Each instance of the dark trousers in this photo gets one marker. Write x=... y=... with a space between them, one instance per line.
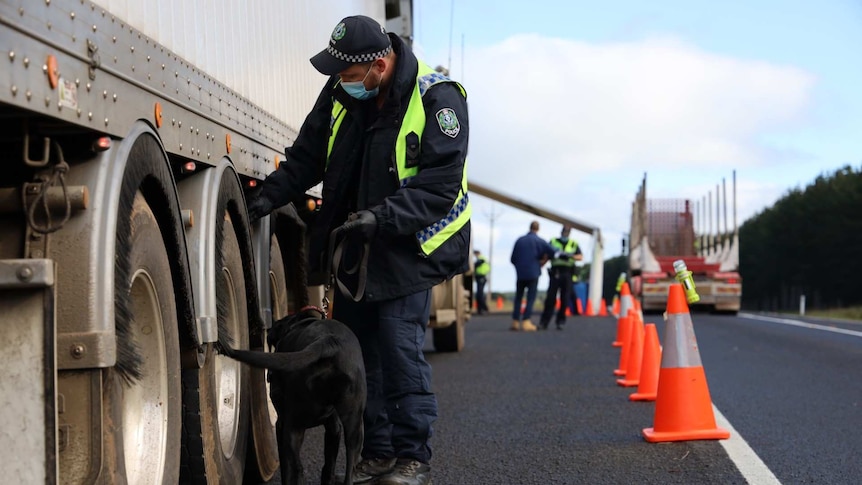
x=561 y=282
x=400 y=408
x=531 y=286
x=481 y=304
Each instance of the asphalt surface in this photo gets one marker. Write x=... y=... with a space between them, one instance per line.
x=544 y=407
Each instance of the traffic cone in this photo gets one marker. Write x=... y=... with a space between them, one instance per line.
x=499 y=302
x=626 y=302
x=636 y=350
x=615 y=306
x=628 y=322
x=650 y=364
x=580 y=306
x=568 y=311
x=603 y=309
x=683 y=408
x=590 y=312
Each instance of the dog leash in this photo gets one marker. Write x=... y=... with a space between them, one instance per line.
x=333 y=263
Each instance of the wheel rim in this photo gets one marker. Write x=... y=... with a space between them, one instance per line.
x=228 y=378
x=145 y=404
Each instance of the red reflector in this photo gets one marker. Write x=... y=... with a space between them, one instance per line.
x=731 y=281
x=651 y=280
x=189 y=167
x=252 y=183
x=102 y=144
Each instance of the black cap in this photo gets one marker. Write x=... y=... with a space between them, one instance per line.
x=355 y=40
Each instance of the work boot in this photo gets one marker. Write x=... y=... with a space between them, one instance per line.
x=408 y=472
x=369 y=469
x=516 y=325
x=528 y=326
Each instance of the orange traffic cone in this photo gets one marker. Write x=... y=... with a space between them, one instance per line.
x=590 y=312
x=580 y=306
x=636 y=351
x=603 y=309
x=683 y=408
x=615 y=306
x=499 y=302
x=626 y=302
x=628 y=323
x=648 y=385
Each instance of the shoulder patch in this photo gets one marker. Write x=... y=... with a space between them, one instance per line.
x=448 y=122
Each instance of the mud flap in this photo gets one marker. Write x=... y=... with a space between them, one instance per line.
x=28 y=389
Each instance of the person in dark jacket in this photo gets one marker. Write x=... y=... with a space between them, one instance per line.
x=388 y=139
x=529 y=254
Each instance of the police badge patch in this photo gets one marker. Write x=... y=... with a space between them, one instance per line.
x=448 y=122
x=339 y=31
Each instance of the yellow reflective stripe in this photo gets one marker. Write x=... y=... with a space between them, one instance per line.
x=414 y=121
x=334 y=123
x=433 y=236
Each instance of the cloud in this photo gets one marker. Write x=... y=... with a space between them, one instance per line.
x=574 y=126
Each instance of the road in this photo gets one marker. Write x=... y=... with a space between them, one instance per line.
x=544 y=408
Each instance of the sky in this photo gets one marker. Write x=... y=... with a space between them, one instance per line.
x=572 y=103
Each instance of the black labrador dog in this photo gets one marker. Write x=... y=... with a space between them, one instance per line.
x=316 y=378
x=316 y=371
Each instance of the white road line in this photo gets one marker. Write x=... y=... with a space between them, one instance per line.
x=746 y=460
x=797 y=323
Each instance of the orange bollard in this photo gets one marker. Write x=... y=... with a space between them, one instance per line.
x=626 y=302
x=650 y=365
x=683 y=408
x=499 y=302
x=636 y=349
x=627 y=322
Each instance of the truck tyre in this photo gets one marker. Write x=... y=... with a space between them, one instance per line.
x=451 y=338
x=263 y=450
x=219 y=421
x=142 y=430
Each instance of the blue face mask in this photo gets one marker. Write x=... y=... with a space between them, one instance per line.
x=357 y=88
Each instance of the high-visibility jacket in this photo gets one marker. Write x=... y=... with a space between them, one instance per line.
x=409 y=140
x=482 y=267
x=569 y=246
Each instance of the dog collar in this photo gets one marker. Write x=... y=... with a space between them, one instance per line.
x=312 y=307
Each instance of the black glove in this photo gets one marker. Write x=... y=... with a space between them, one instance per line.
x=363 y=222
x=258 y=207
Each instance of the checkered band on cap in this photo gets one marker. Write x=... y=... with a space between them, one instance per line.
x=357 y=58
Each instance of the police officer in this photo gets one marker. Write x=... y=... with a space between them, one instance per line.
x=388 y=139
x=561 y=271
x=481 y=268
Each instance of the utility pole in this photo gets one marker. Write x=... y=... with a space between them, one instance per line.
x=492 y=217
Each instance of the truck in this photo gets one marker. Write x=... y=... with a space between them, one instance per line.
x=663 y=230
x=133 y=132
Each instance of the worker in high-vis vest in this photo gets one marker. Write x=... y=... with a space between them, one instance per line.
x=387 y=136
x=481 y=268
x=561 y=271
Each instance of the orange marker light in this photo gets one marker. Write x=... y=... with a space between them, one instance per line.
x=102 y=144
x=252 y=183
x=53 y=72
x=227 y=142
x=189 y=167
x=157 y=114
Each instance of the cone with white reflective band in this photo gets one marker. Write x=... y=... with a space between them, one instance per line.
x=626 y=303
x=683 y=408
